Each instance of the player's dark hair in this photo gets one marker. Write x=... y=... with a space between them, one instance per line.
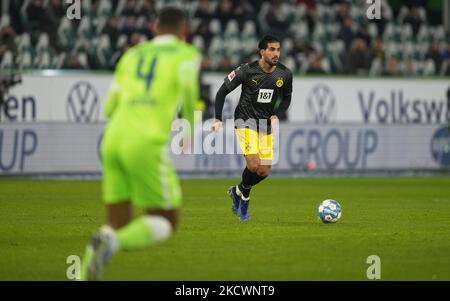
x=171 y=18
x=263 y=44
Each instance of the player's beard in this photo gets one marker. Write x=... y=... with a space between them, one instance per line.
x=271 y=62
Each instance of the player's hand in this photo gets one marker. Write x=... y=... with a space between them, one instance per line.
x=274 y=121
x=217 y=126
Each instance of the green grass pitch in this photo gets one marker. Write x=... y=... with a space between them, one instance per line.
x=404 y=220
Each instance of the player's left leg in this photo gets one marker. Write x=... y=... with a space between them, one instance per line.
x=104 y=242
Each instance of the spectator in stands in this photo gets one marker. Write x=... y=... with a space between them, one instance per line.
x=225 y=64
x=378 y=50
x=343 y=12
x=129 y=27
x=435 y=55
x=38 y=18
x=203 y=11
x=392 y=67
x=413 y=18
x=148 y=10
x=346 y=33
x=359 y=57
x=130 y=9
x=205 y=33
x=92 y=11
x=363 y=34
x=135 y=39
x=7 y=43
x=409 y=68
x=415 y=3
x=312 y=18
x=54 y=11
x=310 y=4
x=149 y=30
x=112 y=30
x=315 y=64
x=243 y=11
x=224 y=13
x=300 y=50
x=446 y=53
x=73 y=61
x=279 y=17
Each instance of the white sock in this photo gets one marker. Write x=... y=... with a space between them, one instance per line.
x=109 y=233
x=238 y=192
x=161 y=227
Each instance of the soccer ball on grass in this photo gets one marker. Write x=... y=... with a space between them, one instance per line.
x=329 y=211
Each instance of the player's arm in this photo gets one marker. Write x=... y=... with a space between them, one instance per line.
x=231 y=82
x=189 y=76
x=112 y=101
x=286 y=100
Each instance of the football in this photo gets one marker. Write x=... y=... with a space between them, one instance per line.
x=329 y=211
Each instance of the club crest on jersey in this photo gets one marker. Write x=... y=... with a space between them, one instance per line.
x=280 y=83
x=231 y=76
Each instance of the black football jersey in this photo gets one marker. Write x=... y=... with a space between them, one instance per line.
x=260 y=92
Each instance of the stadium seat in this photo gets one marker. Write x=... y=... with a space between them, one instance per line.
x=289 y=61
x=7 y=61
x=85 y=29
x=372 y=30
x=406 y=33
x=103 y=52
x=215 y=27
x=66 y=33
x=299 y=12
x=43 y=61
x=249 y=30
x=121 y=41
x=288 y=44
x=26 y=60
x=249 y=45
x=5 y=20
x=429 y=68
x=120 y=6
x=25 y=43
x=58 y=60
x=198 y=42
x=439 y=33
x=43 y=43
x=104 y=8
x=231 y=30
x=376 y=68
x=404 y=10
x=216 y=47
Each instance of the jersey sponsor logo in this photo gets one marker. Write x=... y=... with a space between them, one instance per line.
x=265 y=95
x=280 y=83
x=254 y=81
x=231 y=76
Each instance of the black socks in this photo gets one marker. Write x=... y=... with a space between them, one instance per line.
x=249 y=179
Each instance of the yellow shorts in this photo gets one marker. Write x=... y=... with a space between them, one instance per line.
x=253 y=143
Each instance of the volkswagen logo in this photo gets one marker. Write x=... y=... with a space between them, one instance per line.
x=321 y=106
x=440 y=146
x=83 y=103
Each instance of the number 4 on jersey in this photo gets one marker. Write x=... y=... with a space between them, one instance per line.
x=149 y=76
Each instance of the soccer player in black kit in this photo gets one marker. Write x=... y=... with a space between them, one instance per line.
x=263 y=82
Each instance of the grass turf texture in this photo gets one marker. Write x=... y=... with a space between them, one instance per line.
x=405 y=221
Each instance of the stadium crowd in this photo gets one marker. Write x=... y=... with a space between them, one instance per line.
x=319 y=36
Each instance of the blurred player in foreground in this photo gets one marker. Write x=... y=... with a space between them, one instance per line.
x=152 y=81
x=263 y=81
